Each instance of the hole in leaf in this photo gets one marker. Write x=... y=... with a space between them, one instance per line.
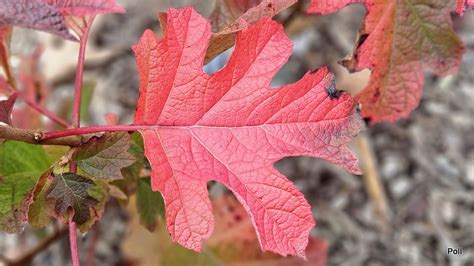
x=218 y=62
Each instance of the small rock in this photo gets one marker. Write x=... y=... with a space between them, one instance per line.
x=391 y=166
x=470 y=173
x=400 y=187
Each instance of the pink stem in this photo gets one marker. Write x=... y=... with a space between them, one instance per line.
x=33 y=104
x=76 y=109
x=76 y=123
x=44 y=111
x=73 y=240
x=93 y=129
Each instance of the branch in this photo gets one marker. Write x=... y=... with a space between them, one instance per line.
x=93 y=129
x=29 y=255
x=372 y=179
x=36 y=137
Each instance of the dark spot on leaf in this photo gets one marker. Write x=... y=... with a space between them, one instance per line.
x=362 y=39
x=377 y=93
x=333 y=93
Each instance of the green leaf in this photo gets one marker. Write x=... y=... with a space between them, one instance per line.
x=104 y=157
x=178 y=255
x=40 y=209
x=17 y=157
x=150 y=205
x=39 y=213
x=14 y=197
x=172 y=253
x=70 y=190
x=133 y=171
x=21 y=165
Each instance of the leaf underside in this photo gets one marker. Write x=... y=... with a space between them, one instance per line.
x=232 y=126
x=399 y=41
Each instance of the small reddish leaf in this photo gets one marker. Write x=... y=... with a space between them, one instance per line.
x=70 y=190
x=86 y=7
x=234 y=241
x=328 y=6
x=462 y=5
x=33 y=87
x=111 y=118
x=232 y=126
x=104 y=157
x=399 y=41
x=6 y=107
x=34 y=14
x=5 y=38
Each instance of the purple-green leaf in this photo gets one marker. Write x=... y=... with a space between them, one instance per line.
x=34 y=14
x=70 y=190
x=104 y=157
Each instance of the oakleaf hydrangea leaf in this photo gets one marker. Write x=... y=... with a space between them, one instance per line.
x=232 y=126
x=400 y=41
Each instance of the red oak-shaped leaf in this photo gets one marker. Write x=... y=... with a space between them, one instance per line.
x=86 y=7
x=232 y=126
x=462 y=5
x=399 y=41
x=6 y=107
